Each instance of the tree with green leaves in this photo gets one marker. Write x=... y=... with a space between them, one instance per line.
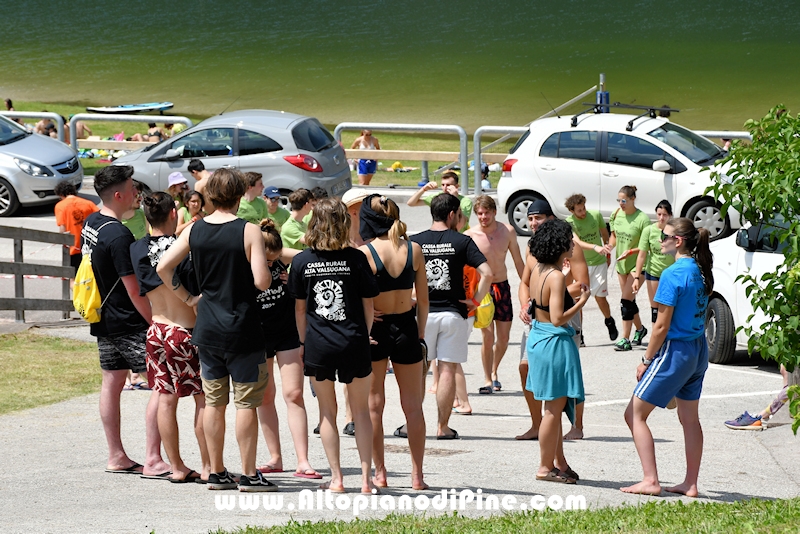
x=764 y=181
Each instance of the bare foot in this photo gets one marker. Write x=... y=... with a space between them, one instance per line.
x=529 y=435
x=379 y=480
x=432 y=390
x=419 y=486
x=643 y=488
x=334 y=488
x=690 y=490
x=574 y=433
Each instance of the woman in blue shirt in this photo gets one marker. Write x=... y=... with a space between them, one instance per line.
x=677 y=357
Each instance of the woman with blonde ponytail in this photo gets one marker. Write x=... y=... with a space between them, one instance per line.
x=399 y=328
x=677 y=357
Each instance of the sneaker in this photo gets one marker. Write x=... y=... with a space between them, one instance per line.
x=256 y=483
x=745 y=422
x=316 y=430
x=613 y=333
x=350 y=429
x=221 y=481
x=638 y=336
x=622 y=345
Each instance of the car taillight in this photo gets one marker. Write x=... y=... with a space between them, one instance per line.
x=507 y=164
x=307 y=163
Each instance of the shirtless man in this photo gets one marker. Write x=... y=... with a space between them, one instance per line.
x=495 y=240
x=173 y=367
x=199 y=173
x=540 y=211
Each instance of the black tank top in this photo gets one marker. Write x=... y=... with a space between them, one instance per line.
x=387 y=282
x=227 y=316
x=568 y=302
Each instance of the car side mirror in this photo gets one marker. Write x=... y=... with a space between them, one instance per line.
x=743 y=240
x=171 y=154
x=661 y=165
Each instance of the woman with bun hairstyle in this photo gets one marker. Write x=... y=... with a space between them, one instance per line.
x=282 y=344
x=651 y=262
x=677 y=356
x=627 y=224
x=554 y=373
x=399 y=330
x=334 y=287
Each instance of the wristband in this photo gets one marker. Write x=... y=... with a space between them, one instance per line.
x=476 y=303
x=302 y=344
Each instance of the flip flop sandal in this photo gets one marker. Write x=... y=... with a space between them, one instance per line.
x=161 y=476
x=309 y=473
x=399 y=432
x=556 y=476
x=269 y=469
x=570 y=473
x=497 y=385
x=454 y=435
x=486 y=390
x=192 y=476
x=132 y=470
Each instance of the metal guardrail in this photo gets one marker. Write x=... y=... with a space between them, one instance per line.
x=55 y=117
x=103 y=117
x=476 y=139
x=723 y=134
x=432 y=128
x=20 y=269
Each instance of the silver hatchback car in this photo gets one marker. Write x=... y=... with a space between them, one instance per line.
x=290 y=151
x=30 y=167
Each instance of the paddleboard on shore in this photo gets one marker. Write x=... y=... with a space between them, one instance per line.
x=132 y=108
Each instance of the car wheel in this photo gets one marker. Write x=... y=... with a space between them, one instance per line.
x=706 y=214
x=8 y=199
x=720 y=332
x=518 y=213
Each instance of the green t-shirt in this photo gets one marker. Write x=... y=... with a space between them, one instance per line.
x=253 y=211
x=588 y=231
x=307 y=218
x=466 y=206
x=280 y=216
x=651 y=242
x=628 y=229
x=291 y=232
x=184 y=216
x=137 y=224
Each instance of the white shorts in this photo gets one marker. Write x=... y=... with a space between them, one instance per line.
x=447 y=336
x=598 y=279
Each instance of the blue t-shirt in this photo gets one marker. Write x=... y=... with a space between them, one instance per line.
x=681 y=286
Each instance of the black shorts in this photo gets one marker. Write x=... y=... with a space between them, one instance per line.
x=398 y=338
x=123 y=352
x=346 y=373
x=219 y=363
x=287 y=339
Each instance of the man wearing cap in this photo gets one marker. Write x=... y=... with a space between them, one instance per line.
x=177 y=187
x=540 y=211
x=253 y=208
x=274 y=209
x=353 y=198
x=449 y=185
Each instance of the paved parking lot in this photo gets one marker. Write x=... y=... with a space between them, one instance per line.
x=52 y=458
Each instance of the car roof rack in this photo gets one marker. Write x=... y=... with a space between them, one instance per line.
x=650 y=111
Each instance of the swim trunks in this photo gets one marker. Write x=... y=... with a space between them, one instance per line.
x=501 y=293
x=367 y=166
x=172 y=363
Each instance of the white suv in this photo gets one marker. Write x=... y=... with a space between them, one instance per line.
x=752 y=250
x=597 y=154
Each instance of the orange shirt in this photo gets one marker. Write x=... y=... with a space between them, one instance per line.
x=471 y=280
x=70 y=213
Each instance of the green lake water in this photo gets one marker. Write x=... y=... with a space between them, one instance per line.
x=466 y=62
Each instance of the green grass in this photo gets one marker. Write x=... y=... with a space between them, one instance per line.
x=389 y=141
x=754 y=516
x=36 y=370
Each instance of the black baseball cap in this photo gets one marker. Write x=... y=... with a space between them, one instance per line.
x=539 y=206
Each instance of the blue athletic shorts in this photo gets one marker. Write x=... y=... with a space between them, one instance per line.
x=367 y=166
x=677 y=371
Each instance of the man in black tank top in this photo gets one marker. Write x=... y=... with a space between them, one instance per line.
x=230 y=260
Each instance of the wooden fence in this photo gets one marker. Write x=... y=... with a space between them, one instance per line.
x=20 y=269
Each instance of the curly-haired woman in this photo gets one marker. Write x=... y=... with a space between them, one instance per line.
x=554 y=374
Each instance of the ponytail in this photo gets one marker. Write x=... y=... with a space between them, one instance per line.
x=696 y=242
x=272 y=238
x=397 y=231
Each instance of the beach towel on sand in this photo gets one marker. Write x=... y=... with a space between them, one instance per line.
x=554 y=365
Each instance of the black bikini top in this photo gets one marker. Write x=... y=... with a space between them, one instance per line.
x=568 y=302
x=387 y=282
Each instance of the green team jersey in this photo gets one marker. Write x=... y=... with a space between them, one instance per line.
x=280 y=216
x=137 y=224
x=307 y=218
x=253 y=211
x=651 y=242
x=628 y=229
x=466 y=206
x=588 y=231
x=291 y=232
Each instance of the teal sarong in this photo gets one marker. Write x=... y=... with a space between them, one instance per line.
x=554 y=365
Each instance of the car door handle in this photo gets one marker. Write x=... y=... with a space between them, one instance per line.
x=548 y=167
x=227 y=166
x=610 y=174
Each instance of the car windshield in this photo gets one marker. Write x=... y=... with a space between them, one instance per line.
x=10 y=131
x=312 y=136
x=698 y=149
